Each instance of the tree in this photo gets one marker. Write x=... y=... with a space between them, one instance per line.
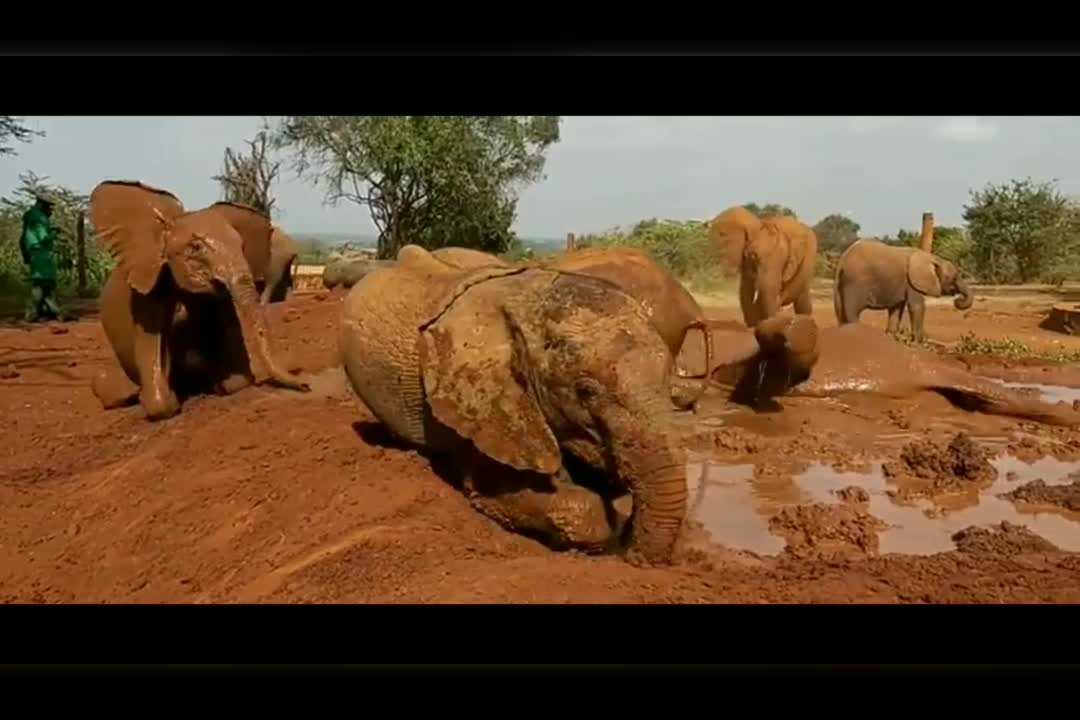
x=1019 y=230
x=68 y=206
x=432 y=181
x=769 y=210
x=836 y=232
x=247 y=179
x=13 y=128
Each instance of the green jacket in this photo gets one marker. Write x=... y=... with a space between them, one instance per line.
x=38 y=239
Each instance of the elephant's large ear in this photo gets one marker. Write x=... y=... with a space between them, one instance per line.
x=467 y=359
x=922 y=273
x=130 y=220
x=255 y=229
x=729 y=232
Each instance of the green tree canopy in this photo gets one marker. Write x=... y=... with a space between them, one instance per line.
x=14 y=128
x=432 y=181
x=1020 y=230
x=248 y=179
x=769 y=210
x=836 y=232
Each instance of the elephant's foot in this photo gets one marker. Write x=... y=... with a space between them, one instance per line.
x=232 y=384
x=159 y=404
x=114 y=389
x=569 y=517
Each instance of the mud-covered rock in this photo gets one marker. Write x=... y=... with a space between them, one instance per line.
x=1005 y=539
x=1037 y=492
x=927 y=468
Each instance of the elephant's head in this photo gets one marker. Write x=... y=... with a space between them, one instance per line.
x=935 y=276
x=219 y=250
x=729 y=233
x=527 y=363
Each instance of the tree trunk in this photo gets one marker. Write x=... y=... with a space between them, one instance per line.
x=80 y=252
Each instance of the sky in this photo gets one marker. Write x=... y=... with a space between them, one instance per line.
x=609 y=171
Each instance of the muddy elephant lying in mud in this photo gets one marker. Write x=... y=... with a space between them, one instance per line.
x=871 y=275
x=856 y=358
x=181 y=310
x=514 y=373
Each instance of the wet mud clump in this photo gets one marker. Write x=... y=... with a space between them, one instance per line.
x=827 y=532
x=1037 y=492
x=853 y=495
x=1005 y=539
x=926 y=468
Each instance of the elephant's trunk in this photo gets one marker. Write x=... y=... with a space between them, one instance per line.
x=965 y=298
x=653 y=468
x=256 y=335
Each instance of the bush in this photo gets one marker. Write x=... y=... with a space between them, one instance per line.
x=680 y=246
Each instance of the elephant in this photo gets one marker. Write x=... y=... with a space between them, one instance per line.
x=549 y=390
x=875 y=276
x=182 y=299
x=775 y=258
x=275 y=287
x=347 y=272
x=857 y=358
x=467 y=258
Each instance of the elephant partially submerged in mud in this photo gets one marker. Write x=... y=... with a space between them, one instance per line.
x=856 y=358
x=181 y=310
x=516 y=373
x=775 y=259
x=871 y=275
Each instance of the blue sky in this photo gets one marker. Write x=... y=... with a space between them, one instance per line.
x=616 y=170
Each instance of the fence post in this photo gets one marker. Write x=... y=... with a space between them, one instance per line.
x=570 y=242
x=80 y=250
x=926 y=240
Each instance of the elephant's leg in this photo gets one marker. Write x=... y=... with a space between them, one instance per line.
x=554 y=509
x=970 y=392
x=916 y=305
x=804 y=305
x=747 y=292
x=114 y=388
x=852 y=302
x=895 y=314
x=153 y=321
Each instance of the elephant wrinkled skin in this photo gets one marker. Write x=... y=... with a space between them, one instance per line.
x=516 y=373
x=775 y=259
x=871 y=275
x=182 y=299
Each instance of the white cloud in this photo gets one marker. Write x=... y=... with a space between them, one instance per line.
x=965 y=129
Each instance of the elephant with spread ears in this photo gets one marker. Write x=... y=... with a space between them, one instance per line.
x=774 y=257
x=871 y=275
x=181 y=307
x=529 y=379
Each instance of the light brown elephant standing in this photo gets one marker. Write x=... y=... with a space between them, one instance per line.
x=514 y=372
x=871 y=275
x=183 y=289
x=775 y=258
x=278 y=281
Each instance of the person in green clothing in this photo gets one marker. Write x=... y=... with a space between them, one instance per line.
x=37 y=244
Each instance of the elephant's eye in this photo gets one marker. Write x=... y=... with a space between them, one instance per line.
x=588 y=388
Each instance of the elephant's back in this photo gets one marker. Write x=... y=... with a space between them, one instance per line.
x=669 y=305
x=378 y=343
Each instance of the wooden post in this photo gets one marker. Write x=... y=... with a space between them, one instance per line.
x=926 y=240
x=570 y=242
x=80 y=252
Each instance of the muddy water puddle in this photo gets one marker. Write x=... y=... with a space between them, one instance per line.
x=1047 y=393
x=734 y=508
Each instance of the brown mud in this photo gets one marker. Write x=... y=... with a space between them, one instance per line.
x=274 y=496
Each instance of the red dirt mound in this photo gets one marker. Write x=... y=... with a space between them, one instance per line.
x=927 y=468
x=1037 y=492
